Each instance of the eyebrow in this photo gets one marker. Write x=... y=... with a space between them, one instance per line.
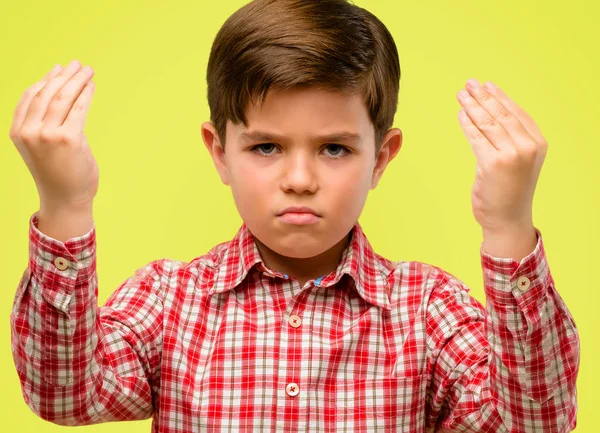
x=344 y=136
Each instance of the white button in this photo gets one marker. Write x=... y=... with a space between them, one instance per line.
x=292 y=389
x=295 y=321
x=523 y=283
x=61 y=263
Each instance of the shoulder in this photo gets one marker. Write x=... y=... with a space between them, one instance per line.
x=174 y=274
x=417 y=279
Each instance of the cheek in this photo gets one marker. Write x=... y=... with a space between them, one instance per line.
x=352 y=179
x=249 y=178
x=248 y=185
x=349 y=190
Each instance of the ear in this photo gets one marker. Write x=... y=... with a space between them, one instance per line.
x=392 y=142
x=213 y=144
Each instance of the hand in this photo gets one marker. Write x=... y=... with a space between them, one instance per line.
x=510 y=151
x=47 y=130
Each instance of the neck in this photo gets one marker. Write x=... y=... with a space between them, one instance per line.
x=304 y=269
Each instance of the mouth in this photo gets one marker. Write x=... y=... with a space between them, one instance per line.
x=299 y=218
x=299 y=209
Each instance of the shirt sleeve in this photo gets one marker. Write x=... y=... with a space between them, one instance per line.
x=79 y=364
x=511 y=366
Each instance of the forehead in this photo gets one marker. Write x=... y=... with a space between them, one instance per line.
x=308 y=113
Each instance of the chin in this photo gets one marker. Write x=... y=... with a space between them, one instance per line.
x=298 y=246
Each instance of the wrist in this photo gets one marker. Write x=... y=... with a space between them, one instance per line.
x=48 y=207
x=64 y=223
x=508 y=232
x=514 y=242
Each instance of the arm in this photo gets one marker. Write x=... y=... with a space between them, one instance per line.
x=508 y=367
x=79 y=364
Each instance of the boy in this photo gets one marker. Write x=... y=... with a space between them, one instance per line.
x=295 y=324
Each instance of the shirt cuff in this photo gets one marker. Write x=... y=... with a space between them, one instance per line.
x=75 y=249
x=59 y=265
x=507 y=281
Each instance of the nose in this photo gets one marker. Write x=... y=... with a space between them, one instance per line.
x=300 y=174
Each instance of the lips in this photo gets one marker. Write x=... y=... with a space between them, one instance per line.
x=299 y=210
x=299 y=218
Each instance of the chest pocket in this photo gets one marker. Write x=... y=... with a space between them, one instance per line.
x=383 y=404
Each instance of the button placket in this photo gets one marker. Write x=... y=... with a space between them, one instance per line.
x=292 y=388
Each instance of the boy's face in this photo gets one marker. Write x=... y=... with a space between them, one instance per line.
x=299 y=169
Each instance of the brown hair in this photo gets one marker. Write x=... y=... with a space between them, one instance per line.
x=280 y=44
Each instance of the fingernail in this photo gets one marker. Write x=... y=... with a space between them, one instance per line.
x=489 y=85
x=56 y=68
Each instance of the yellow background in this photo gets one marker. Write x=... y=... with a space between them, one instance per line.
x=160 y=195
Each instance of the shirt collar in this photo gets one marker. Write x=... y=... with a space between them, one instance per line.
x=359 y=261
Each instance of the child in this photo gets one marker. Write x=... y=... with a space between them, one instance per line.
x=295 y=324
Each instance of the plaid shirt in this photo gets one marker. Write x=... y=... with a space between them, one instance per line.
x=224 y=343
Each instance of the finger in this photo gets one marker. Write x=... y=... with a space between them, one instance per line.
x=480 y=145
x=77 y=116
x=39 y=104
x=28 y=95
x=63 y=101
x=489 y=127
x=516 y=110
x=513 y=126
x=52 y=72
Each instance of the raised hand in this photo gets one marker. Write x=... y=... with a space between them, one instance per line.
x=47 y=130
x=510 y=152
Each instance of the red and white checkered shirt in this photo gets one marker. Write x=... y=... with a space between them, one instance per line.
x=224 y=343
